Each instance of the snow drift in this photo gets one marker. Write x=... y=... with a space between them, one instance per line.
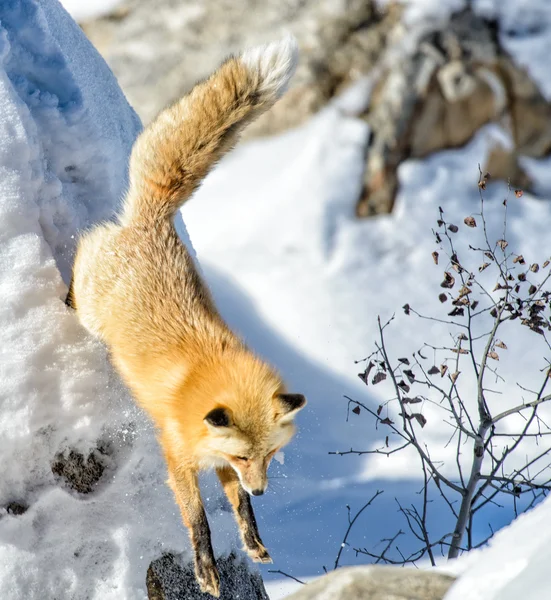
x=65 y=135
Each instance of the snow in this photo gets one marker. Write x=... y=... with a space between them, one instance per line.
x=515 y=564
x=85 y=10
x=292 y=269
x=317 y=278
x=65 y=134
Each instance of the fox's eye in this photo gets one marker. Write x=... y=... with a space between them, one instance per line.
x=243 y=458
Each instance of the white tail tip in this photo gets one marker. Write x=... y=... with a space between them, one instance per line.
x=275 y=63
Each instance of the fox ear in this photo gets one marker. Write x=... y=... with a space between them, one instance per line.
x=289 y=405
x=218 y=420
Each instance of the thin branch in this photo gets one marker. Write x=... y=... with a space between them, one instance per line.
x=287 y=575
x=351 y=524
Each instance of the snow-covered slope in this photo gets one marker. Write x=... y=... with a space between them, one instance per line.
x=65 y=134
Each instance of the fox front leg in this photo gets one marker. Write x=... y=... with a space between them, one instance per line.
x=244 y=515
x=185 y=485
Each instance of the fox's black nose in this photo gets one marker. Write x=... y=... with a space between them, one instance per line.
x=258 y=492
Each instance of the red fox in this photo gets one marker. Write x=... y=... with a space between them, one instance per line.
x=136 y=287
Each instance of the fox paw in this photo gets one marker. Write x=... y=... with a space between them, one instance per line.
x=208 y=578
x=259 y=554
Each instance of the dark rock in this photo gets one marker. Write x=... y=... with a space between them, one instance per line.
x=80 y=474
x=16 y=509
x=167 y=579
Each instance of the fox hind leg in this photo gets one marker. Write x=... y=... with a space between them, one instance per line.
x=244 y=515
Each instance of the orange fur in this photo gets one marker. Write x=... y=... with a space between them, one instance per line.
x=136 y=287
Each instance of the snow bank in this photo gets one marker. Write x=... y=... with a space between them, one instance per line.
x=65 y=135
x=515 y=565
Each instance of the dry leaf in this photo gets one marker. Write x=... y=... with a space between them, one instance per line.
x=532 y=289
x=415 y=400
x=410 y=375
x=380 y=376
x=502 y=244
x=534 y=268
x=518 y=193
x=435 y=257
x=454 y=376
x=493 y=354
x=519 y=259
x=459 y=351
x=474 y=304
x=469 y=221
x=379 y=409
x=356 y=410
x=449 y=281
x=387 y=421
x=404 y=361
x=433 y=370
x=420 y=419
x=406 y=308
x=404 y=386
x=443 y=297
x=453 y=228
x=443 y=369
x=483 y=266
x=501 y=345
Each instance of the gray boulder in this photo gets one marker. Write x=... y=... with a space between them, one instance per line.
x=376 y=583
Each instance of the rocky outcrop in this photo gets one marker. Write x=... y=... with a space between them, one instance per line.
x=376 y=583
x=433 y=88
x=455 y=78
x=159 y=48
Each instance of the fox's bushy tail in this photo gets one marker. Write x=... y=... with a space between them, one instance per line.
x=176 y=151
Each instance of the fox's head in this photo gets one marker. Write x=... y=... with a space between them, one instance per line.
x=249 y=444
